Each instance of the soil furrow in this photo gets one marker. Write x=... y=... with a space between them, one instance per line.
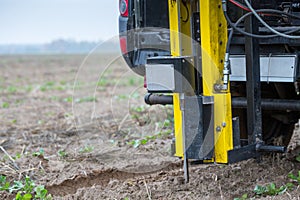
x=100 y=178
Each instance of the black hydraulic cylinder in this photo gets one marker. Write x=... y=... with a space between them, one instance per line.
x=156 y=99
x=269 y=104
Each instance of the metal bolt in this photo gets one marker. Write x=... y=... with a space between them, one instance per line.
x=218 y=129
x=224 y=124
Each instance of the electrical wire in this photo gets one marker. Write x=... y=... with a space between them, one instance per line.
x=240 y=5
x=267 y=26
x=234 y=26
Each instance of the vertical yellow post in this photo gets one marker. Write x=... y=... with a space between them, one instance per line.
x=180 y=44
x=213 y=40
x=176 y=51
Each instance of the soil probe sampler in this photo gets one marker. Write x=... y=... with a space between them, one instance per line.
x=230 y=68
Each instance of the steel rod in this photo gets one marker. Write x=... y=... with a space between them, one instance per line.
x=253 y=85
x=269 y=104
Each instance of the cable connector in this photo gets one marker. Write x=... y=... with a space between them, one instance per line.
x=226 y=70
x=226 y=73
x=224 y=5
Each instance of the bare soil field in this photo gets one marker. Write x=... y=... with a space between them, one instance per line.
x=78 y=125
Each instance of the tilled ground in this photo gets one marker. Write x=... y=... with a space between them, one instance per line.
x=82 y=130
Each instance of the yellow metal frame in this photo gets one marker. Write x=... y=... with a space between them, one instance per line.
x=213 y=39
x=180 y=44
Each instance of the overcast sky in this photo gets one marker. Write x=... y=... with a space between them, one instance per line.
x=40 y=21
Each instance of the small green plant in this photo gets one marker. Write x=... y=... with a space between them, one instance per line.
x=138 y=109
x=122 y=97
x=17 y=156
x=47 y=86
x=62 y=153
x=5 y=105
x=25 y=190
x=41 y=192
x=244 y=197
x=164 y=133
x=62 y=82
x=86 y=99
x=269 y=189
x=103 y=82
x=26 y=196
x=137 y=143
x=4 y=185
x=86 y=149
x=11 y=89
x=295 y=178
x=51 y=85
x=68 y=99
x=41 y=152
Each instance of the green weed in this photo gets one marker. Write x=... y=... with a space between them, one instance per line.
x=103 y=82
x=17 y=156
x=11 y=89
x=86 y=99
x=86 y=149
x=80 y=100
x=138 y=109
x=295 y=178
x=138 y=142
x=41 y=152
x=122 y=97
x=244 y=197
x=47 y=86
x=5 y=105
x=25 y=189
x=269 y=189
x=62 y=153
x=51 y=85
x=68 y=99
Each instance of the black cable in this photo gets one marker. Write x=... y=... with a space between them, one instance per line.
x=234 y=26
x=267 y=25
x=279 y=12
x=250 y=13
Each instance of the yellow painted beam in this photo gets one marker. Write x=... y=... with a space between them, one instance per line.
x=176 y=51
x=180 y=44
x=213 y=39
x=174 y=21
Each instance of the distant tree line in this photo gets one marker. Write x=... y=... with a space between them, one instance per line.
x=61 y=46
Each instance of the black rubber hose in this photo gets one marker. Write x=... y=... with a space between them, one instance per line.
x=269 y=104
x=157 y=99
